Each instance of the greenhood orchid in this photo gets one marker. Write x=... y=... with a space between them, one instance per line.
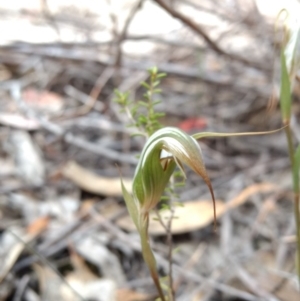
x=165 y=149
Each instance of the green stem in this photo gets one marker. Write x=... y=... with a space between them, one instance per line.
x=168 y=229
x=170 y=239
x=297 y=219
x=148 y=255
x=150 y=105
x=296 y=189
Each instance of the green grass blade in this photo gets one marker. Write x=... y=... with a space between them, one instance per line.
x=216 y=135
x=296 y=168
x=149 y=256
x=285 y=91
x=292 y=48
x=131 y=205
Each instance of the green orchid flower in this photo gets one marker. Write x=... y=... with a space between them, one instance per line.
x=165 y=149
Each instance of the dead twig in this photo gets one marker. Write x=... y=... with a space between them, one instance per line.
x=23 y=283
x=162 y=262
x=90 y=101
x=83 y=98
x=122 y=36
x=189 y=264
x=221 y=80
x=197 y=29
x=170 y=239
x=46 y=262
x=100 y=83
x=251 y=284
x=68 y=137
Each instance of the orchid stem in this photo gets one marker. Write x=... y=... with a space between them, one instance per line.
x=149 y=257
x=296 y=190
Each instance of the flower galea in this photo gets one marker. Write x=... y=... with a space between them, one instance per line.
x=165 y=149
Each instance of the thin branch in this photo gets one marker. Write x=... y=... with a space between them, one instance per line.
x=214 y=11
x=46 y=262
x=49 y=17
x=162 y=262
x=68 y=137
x=168 y=228
x=170 y=68
x=100 y=83
x=170 y=240
x=90 y=101
x=123 y=34
x=197 y=29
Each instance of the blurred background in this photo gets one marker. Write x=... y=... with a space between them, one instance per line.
x=64 y=230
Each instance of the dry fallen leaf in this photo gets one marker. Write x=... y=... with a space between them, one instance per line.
x=191 y=216
x=247 y=192
x=82 y=281
x=92 y=249
x=45 y=101
x=86 y=206
x=91 y=182
x=196 y=214
x=18 y=121
x=129 y=295
x=38 y=226
x=20 y=239
x=27 y=156
x=80 y=267
x=198 y=296
x=98 y=289
x=5 y=73
x=12 y=251
x=49 y=283
x=261 y=271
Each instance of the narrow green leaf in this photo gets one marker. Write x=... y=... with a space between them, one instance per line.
x=296 y=168
x=156 y=102
x=178 y=204
x=161 y=75
x=143 y=104
x=158 y=115
x=138 y=134
x=292 y=47
x=181 y=184
x=213 y=134
x=285 y=91
x=145 y=85
x=148 y=255
x=164 y=207
x=134 y=110
x=131 y=205
x=143 y=119
x=156 y=83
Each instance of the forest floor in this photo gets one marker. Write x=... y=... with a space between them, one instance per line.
x=65 y=233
